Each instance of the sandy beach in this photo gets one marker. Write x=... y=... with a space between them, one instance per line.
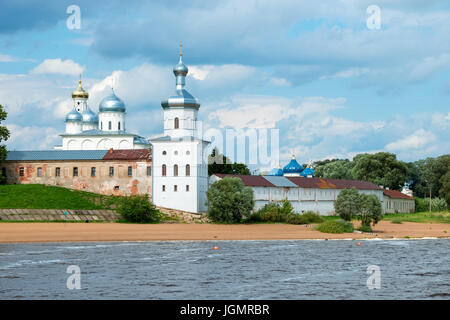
x=75 y=232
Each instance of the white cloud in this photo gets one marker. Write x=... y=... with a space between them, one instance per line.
x=32 y=137
x=58 y=66
x=418 y=139
x=7 y=58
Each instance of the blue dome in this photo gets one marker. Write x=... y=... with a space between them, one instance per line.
x=293 y=167
x=111 y=104
x=74 y=116
x=276 y=172
x=308 y=172
x=89 y=116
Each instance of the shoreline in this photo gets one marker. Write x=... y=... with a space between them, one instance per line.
x=43 y=232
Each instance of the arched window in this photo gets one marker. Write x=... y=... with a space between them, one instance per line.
x=175 y=170
x=188 y=170
x=109 y=125
x=176 y=123
x=164 y=170
x=118 y=126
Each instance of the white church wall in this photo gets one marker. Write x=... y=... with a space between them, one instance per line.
x=187 y=122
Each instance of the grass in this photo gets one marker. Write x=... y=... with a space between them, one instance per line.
x=36 y=196
x=421 y=217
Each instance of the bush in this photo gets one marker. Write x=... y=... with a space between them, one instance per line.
x=229 y=200
x=2 y=179
x=335 y=226
x=347 y=203
x=396 y=220
x=365 y=228
x=138 y=209
x=423 y=205
x=311 y=217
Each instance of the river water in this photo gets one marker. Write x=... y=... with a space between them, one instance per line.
x=303 y=269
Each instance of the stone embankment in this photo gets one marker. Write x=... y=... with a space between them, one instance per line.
x=58 y=215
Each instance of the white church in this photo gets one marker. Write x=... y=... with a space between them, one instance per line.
x=86 y=130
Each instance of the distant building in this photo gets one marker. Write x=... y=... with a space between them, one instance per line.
x=315 y=194
x=293 y=169
x=397 y=202
x=116 y=172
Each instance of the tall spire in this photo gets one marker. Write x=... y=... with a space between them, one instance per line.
x=181 y=47
x=79 y=92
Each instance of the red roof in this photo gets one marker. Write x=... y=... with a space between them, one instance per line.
x=396 y=194
x=127 y=154
x=325 y=183
x=250 y=181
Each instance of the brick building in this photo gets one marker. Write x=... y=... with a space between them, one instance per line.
x=118 y=172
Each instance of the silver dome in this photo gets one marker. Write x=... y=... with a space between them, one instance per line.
x=180 y=69
x=111 y=104
x=89 y=116
x=74 y=116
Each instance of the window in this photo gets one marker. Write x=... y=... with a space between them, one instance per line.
x=116 y=188
x=175 y=170
x=109 y=125
x=163 y=188
x=118 y=126
x=21 y=171
x=101 y=125
x=164 y=170
x=149 y=171
x=175 y=153
x=111 y=171
x=187 y=188
x=4 y=172
x=58 y=172
x=130 y=171
x=188 y=170
x=175 y=188
x=188 y=152
x=93 y=169
x=164 y=153
x=75 y=171
x=176 y=123
x=39 y=172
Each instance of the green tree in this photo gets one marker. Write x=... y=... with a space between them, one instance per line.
x=4 y=135
x=445 y=189
x=229 y=200
x=339 y=169
x=347 y=203
x=370 y=209
x=139 y=209
x=218 y=163
x=381 y=168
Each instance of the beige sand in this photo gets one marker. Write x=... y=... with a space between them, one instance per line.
x=59 y=232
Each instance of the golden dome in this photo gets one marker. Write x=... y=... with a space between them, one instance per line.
x=79 y=92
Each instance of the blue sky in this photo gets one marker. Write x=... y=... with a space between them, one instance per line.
x=313 y=70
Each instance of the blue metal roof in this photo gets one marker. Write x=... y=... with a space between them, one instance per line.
x=56 y=155
x=280 y=181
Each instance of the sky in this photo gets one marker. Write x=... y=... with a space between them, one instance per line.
x=318 y=72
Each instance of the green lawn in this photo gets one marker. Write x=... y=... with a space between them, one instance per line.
x=440 y=217
x=36 y=196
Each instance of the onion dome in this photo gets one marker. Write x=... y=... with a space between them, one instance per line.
x=276 y=172
x=293 y=167
x=111 y=104
x=182 y=98
x=89 y=116
x=79 y=92
x=308 y=172
x=74 y=116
